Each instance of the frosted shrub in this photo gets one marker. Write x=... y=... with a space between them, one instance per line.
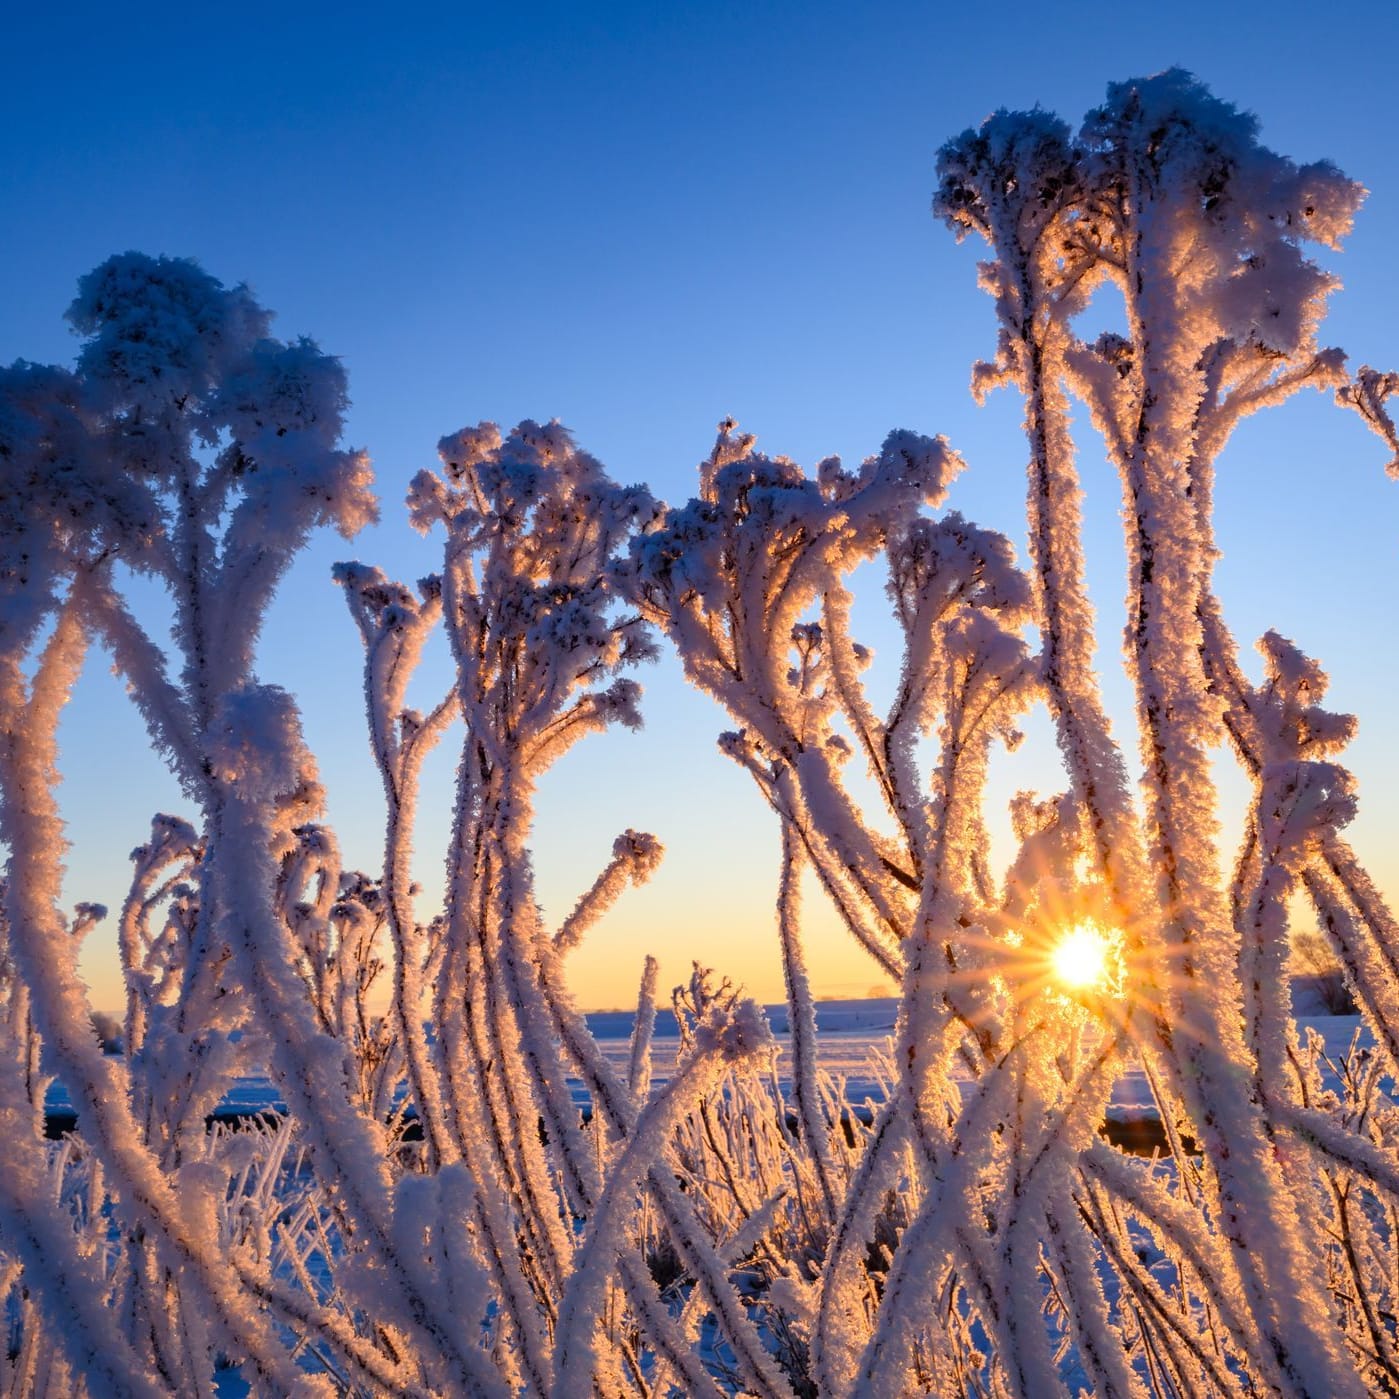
x=1023 y=1213
x=534 y=532
x=191 y=447
x=433 y=1215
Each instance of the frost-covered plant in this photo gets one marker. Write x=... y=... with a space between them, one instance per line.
x=732 y=577
x=191 y=447
x=540 y=639
x=1168 y=197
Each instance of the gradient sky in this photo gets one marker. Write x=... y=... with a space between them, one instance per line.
x=640 y=218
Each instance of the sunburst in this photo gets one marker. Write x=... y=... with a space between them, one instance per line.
x=1086 y=957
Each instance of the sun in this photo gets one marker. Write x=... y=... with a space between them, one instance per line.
x=1083 y=957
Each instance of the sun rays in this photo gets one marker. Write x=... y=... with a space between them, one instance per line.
x=1083 y=958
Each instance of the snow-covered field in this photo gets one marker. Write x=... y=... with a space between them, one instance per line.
x=854 y=1044
x=853 y=1037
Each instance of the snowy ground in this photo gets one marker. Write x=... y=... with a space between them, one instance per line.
x=853 y=1042
x=854 y=1038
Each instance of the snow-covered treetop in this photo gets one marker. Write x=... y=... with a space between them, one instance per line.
x=1212 y=217
x=764 y=532
x=179 y=365
x=1167 y=190
x=61 y=500
x=535 y=530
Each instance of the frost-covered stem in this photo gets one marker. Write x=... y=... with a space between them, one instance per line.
x=1263 y=977
x=45 y=956
x=924 y=1028
x=1013 y=1317
x=136 y=907
x=1023 y=1345
x=174 y=718
x=890 y=763
x=934 y=1005
x=296 y=1311
x=471 y=1071
x=643 y=1026
x=407 y=1001
x=864 y=922
x=509 y=929
x=785 y=796
x=759 y=1373
x=163 y=707
x=1365 y=957
x=1361 y=892
x=19 y=1040
x=806 y=793
x=476 y=1032
x=634 y=856
x=842 y=841
x=845 y=1289
x=1015 y=183
x=934 y=1241
x=172 y=842
x=1155 y=1309
x=310 y=1067
x=399 y=767
x=512 y=957
x=1094 y=760
x=619 y=1111
x=69 y=1288
x=801 y=1020
x=1165 y=646
x=1163 y=640
x=1213 y=1263
x=1341 y=1145
x=1219 y=656
x=193 y=549
x=586 y=1293
x=524 y=1266
x=534 y=980
x=1348 y=1223
x=1099 y=1342
x=1177 y=727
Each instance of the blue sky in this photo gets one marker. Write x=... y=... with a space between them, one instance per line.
x=639 y=219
